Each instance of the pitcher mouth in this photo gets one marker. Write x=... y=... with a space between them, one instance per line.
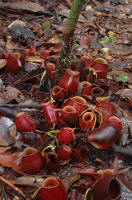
x=101 y=61
x=69 y=109
x=50 y=182
x=114 y=189
x=56 y=90
x=85 y=84
x=88 y=117
x=15 y=55
x=50 y=65
x=102 y=99
x=72 y=73
x=79 y=100
x=29 y=151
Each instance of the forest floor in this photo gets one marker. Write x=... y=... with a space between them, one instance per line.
x=104 y=30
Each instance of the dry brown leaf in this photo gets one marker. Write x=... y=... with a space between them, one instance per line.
x=118 y=49
x=126 y=180
x=8 y=159
x=65 y=13
x=117 y=110
x=10 y=45
x=54 y=39
x=10 y=124
x=10 y=94
x=58 y=27
x=30 y=66
x=115 y=34
x=13 y=93
x=115 y=75
x=3 y=149
x=108 y=57
x=94 y=53
x=5 y=138
x=35 y=59
x=125 y=93
x=84 y=40
x=2 y=63
x=24 y=5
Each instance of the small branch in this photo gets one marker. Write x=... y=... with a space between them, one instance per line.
x=13 y=187
x=34 y=194
x=21 y=106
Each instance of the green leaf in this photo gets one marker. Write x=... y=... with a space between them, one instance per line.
x=52 y=99
x=47 y=26
x=105 y=39
x=111 y=36
x=123 y=77
x=52 y=147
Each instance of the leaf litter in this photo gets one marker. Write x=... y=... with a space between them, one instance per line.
x=105 y=32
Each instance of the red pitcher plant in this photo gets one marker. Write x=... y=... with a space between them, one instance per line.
x=53 y=189
x=69 y=81
x=79 y=103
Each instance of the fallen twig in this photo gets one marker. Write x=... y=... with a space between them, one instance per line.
x=13 y=187
x=21 y=106
x=34 y=194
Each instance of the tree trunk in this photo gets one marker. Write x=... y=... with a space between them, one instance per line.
x=64 y=61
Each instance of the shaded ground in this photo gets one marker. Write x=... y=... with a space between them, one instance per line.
x=104 y=30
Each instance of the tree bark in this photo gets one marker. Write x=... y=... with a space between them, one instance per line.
x=64 y=61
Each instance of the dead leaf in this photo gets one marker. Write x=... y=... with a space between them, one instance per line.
x=108 y=57
x=65 y=13
x=19 y=31
x=10 y=124
x=24 y=5
x=1 y=86
x=118 y=49
x=56 y=48
x=126 y=182
x=84 y=40
x=54 y=39
x=2 y=63
x=115 y=75
x=125 y=93
x=58 y=27
x=10 y=45
x=5 y=138
x=129 y=77
x=35 y=59
x=30 y=66
x=124 y=131
x=8 y=159
x=114 y=34
x=69 y=180
x=12 y=93
x=94 y=53
x=3 y=149
x=120 y=112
